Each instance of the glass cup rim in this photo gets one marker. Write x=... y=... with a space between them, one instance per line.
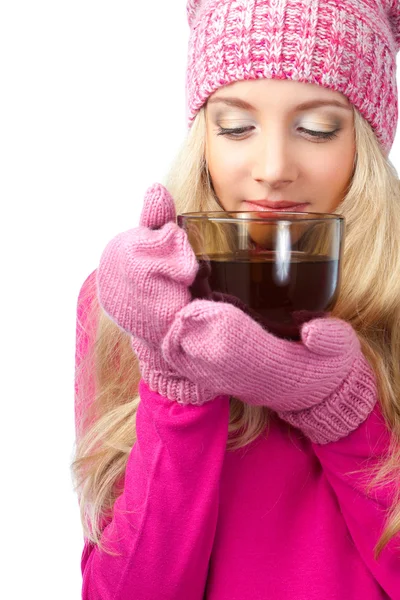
x=252 y=216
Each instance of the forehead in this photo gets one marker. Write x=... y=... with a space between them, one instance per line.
x=279 y=94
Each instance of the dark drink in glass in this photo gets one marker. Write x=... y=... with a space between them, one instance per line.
x=253 y=282
x=282 y=269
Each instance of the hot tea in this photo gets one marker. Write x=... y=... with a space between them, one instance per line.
x=279 y=292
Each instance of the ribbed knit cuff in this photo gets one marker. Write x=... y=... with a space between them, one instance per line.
x=161 y=378
x=174 y=387
x=343 y=411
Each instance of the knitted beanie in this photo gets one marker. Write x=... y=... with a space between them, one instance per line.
x=349 y=46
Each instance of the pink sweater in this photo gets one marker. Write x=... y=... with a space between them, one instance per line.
x=281 y=518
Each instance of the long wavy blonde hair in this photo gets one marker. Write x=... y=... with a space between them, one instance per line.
x=107 y=376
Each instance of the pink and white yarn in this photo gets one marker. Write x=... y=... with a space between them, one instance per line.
x=347 y=45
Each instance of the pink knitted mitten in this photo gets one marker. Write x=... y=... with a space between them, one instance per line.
x=322 y=385
x=143 y=280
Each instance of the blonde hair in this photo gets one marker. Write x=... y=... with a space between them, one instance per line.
x=108 y=377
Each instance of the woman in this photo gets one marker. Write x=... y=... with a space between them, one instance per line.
x=216 y=460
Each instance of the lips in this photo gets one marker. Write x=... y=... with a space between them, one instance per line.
x=281 y=206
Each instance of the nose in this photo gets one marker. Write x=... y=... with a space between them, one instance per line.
x=273 y=160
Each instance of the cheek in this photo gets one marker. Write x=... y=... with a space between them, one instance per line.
x=331 y=172
x=226 y=163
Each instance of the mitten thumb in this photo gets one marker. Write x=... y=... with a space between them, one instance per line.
x=158 y=207
x=329 y=337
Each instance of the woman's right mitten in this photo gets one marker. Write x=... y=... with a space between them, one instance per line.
x=143 y=280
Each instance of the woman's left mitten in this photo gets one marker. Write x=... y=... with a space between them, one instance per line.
x=323 y=384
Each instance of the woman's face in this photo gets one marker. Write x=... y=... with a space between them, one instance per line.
x=271 y=141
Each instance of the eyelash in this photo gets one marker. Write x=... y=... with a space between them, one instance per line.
x=237 y=132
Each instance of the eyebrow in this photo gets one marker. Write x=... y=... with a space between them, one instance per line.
x=238 y=103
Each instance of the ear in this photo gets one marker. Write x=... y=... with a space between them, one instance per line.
x=192 y=9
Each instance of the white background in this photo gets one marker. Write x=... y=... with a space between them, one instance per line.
x=92 y=112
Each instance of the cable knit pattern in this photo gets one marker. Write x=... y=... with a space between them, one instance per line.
x=392 y=8
x=349 y=46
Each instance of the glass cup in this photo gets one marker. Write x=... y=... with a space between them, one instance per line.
x=281 y=268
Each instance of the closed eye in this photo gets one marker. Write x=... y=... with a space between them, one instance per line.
x=240 y=132
x=326 y=135
x=235 y=131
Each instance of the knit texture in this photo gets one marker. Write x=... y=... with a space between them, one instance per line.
x=349 y=46
x=342 y=411
x=143 y=280
x=323 y=385
x=191 y=351
x=281 y=518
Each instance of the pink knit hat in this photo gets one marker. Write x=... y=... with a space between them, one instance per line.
x=349 y=46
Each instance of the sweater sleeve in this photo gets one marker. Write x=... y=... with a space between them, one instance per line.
x=347 y=464
x=163 y=524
